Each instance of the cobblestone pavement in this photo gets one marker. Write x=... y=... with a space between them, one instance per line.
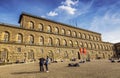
x=93 y=69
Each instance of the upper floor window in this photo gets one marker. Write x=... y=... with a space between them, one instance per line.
x=57 y=42
x=74 y=34
x=93 y=46
x=87 y=36
x=41 y=40
x=69 y=33
x=83 y=36
x=71 y=43
x=31 y=25
x=79 y=35
x=81 y=44
x=64 y=42
x=91 y=37
x=49 y=29
x=19 y=38
x=89 y=45
x=50 y=41
x=56 y=30
x=31 y=39
x=76 y=44
x=40 y=27
x=85 y=45
x=6 y=36
x=63 y=31
x=95 y=38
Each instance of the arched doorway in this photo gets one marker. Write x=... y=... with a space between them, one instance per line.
x=51 y=55
x=4 y=55
x=79 y=55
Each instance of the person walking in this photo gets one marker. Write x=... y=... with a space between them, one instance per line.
x=41 y=63
x=46 y=63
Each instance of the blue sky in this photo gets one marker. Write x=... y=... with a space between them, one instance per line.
x=101 y=16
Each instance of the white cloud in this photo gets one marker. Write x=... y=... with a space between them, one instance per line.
x=52 y=13
x=108 y=25
x=70 y=2
x=68 y=9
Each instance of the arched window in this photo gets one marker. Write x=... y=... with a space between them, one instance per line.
x=89 y=45
x=93 y=46
x=31 y=25
x=63 y=31
x=79 y=35
x=91 y=37
x=81 y=44
x=19 y=38
x=87 y=36
x=49 y=29
x=97 y=46
x=74 y=34
x=57 y=42
x=31 y=39
x=40 y=27
x=41 y=40
x=31 y=55
x=83 y=36
x=69 y=33
x=100 y=47
x=103 y=47
x=56 y=30
x=76 y=44
x=85 y=45
x=50 y=41
x=71 y=43
x=95 y=38
x=6 y=36
x=64 y=42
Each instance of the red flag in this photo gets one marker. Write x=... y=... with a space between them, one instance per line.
x=84 y=50
x=81 y=50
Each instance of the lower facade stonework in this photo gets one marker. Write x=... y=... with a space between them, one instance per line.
x=29 y=53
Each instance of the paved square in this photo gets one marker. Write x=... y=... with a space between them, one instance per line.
x=93 y=69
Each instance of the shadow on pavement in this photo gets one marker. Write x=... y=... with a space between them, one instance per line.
x=31 y=72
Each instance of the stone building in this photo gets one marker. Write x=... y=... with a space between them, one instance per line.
x=39 y=37
x=117 y=49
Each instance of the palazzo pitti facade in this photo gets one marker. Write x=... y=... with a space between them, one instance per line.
x=38 y=37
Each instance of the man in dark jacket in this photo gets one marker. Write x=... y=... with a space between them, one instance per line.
x=41 y=63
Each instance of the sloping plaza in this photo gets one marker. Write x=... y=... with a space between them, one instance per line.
x=93 y=69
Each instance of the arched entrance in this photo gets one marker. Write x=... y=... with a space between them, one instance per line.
x=51 y=55
x=79 y=55
x=4 y=55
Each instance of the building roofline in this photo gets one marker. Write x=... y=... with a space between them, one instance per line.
x=34 y=16
x=10 y=25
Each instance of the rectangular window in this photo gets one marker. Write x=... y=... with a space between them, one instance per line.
x=19 y=49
